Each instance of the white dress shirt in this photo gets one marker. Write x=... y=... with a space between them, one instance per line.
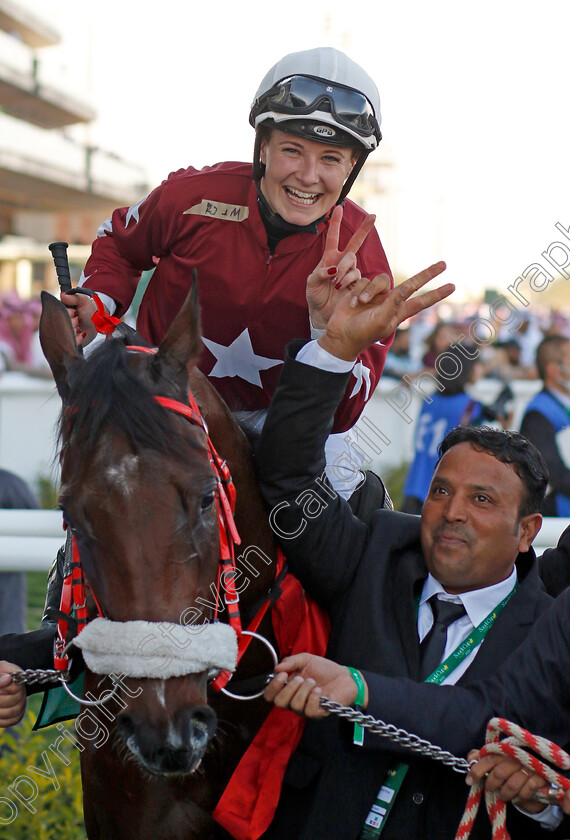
x=478 y=604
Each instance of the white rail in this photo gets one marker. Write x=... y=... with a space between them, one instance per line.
x=30 y=539
x=31 y=523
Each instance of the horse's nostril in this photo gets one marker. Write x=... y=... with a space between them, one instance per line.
x=205 y=717
x=173 y=747
x=125 y=726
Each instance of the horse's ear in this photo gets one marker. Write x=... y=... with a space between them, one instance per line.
x=57 y=339
x=182 y=343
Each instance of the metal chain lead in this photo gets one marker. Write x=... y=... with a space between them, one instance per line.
x=402 y=737
x=399 y=736
x=31 y=676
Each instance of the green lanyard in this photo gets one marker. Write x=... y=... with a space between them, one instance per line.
x=386 y=796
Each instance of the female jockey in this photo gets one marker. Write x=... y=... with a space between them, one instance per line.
x=255 y=236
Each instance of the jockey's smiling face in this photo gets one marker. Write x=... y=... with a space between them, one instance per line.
x=471 y=529
x=303 y=178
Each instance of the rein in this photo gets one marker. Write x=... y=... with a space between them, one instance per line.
x=73 y=597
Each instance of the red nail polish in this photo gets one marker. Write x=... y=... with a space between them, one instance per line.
x=332 y=270
x=338 y=285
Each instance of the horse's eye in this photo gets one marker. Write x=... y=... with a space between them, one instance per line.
x=207 y=501
x=66 y=518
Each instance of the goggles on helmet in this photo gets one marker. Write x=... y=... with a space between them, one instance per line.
x=303 y=94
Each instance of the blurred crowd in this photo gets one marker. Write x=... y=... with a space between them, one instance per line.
x=453 y=352
x=511 y=354
x=20 y=348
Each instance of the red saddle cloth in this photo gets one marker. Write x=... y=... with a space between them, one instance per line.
x=250 y=799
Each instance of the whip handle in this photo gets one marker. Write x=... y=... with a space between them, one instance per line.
x=59 y=254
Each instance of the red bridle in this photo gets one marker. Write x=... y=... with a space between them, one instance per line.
x=73 y=596
x=229 y=537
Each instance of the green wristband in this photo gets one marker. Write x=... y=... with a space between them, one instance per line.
x=358 y=737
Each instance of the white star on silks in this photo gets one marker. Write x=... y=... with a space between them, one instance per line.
x=238 y=359
x=133 y=212
x=362 y=375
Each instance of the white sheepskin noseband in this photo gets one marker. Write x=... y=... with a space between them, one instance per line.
x=156 y=650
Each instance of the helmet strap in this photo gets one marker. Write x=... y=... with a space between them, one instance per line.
x=258 y=166
x=353 y=175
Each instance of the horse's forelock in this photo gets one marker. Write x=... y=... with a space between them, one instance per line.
x=104 y=393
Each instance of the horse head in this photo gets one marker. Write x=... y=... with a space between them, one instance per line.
x=140 y=496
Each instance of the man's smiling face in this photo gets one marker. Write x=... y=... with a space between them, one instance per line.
x=471 y=532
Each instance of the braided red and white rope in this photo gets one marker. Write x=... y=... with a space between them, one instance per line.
x=514 y=746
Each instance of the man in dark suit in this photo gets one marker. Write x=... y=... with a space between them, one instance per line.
x=471 y=546
x=546 y=421
x=532 y=689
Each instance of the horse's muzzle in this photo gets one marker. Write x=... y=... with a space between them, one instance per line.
x=174 y=748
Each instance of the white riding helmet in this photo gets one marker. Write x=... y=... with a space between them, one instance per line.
x=319 y=94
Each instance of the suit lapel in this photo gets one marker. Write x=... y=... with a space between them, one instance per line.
x=406 y=589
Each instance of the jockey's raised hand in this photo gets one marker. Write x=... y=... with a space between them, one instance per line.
x=81 y=309
x=354 y=325
x=337 y=270
x=12 y=696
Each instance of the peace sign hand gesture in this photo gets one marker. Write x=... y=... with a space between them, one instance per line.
x=337 y=270
x=353 y=325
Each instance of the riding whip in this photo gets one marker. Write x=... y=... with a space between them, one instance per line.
x=59 y=254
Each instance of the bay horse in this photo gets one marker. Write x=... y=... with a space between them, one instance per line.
x=139 y=494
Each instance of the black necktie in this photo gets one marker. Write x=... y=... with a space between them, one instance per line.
x=433 y=646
